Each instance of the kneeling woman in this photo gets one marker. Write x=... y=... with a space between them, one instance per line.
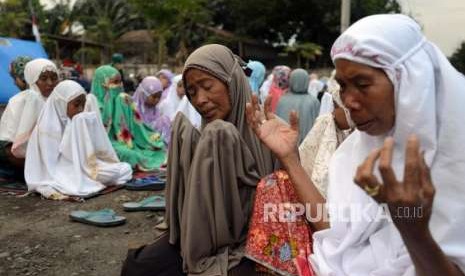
x=21 y=113
x=135 y=142
x=212 y=174
x=147 y=97
x=69 y=152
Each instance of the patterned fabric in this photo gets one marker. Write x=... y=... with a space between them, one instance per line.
x=17 y=67
x=135 y=142
x=317 y=149
x=280 y=243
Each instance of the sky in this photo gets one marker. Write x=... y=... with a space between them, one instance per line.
x=443 y=21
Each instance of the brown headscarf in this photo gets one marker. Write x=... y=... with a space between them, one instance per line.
x=218 y=61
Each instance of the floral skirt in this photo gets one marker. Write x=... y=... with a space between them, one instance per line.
x=279 y=237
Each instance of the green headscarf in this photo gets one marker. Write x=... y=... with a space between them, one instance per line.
x=134 y=142
x=117 y=58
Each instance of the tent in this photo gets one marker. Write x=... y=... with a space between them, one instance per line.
x=10 y=48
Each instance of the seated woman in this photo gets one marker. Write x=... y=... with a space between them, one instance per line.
x=257 y=76
x=279 y=84
x=292 y=237
x=212 y=174
x=69 y=153
x=134 y=142
x=177 y=101
x=175 y=93
x=395 y=83
x=147 y=97
x=185 y=107
x=315 y=86
x=166 y=77
x=23 y=109
x=299 y=100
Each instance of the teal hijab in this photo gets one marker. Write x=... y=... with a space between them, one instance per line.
x=297 y=98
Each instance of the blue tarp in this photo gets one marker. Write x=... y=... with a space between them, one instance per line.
x=10 y=48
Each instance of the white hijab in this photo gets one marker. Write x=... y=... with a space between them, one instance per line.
x=314 y=87
x=22 y=111
x=169 y=105
x=65 y=155
x=265 y=88
x=186 y=108
x=36 y=67
x=429 y=101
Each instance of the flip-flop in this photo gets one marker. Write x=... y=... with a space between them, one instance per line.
x=102 y=218
x=150 y=183
x=162 y=226
x=152 y=203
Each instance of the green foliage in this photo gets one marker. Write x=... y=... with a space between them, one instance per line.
x=179 y=26
x=308 y=51
x=13 y=18
x=60 y=18
x=458 y=58
x=175 y=23
x=104 y=21
x=277 y=21
x=90 y=55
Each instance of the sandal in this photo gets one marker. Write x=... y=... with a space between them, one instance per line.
x=152 y=203
x=102 y=218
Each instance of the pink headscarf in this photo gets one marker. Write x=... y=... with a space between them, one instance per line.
x=280 y=84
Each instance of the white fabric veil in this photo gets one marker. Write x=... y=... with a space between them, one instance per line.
x=429 y=101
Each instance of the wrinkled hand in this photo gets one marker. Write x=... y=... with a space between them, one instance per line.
x=276 y=134
x=410 y=201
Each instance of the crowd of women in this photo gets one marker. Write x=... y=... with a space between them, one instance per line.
x=380 y=151
x=64 y=142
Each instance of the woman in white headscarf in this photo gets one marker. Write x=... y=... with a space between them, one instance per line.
x=69 y=153
x=327 y=100
x=23 y=109
x=315 y=85
x=169 y=105
x=395 y=83
x=265 y=88
x=177 y=101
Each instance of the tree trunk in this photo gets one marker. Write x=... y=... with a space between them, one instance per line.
x=161 y=49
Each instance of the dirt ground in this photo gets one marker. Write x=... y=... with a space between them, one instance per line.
x=37 y=237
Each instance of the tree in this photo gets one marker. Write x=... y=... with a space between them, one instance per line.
x=60 y=19
x=174 y=23
x=15 y=19
x=458 y=58
x=104 y=21
x=308 y=51
x=277 y=21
